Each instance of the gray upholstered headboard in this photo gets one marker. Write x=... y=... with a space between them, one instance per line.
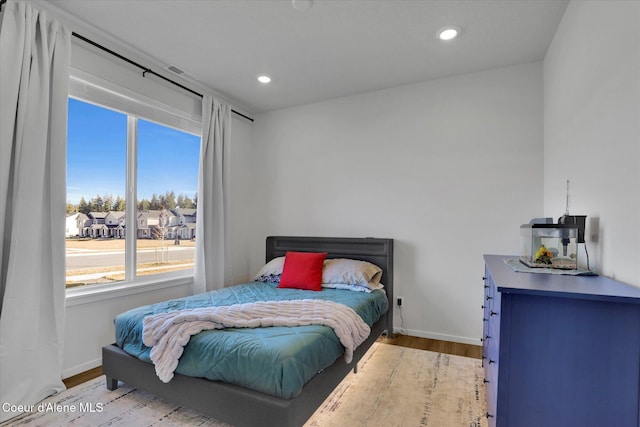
x=374 y=250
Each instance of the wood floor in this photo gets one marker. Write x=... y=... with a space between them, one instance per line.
x=438 y=346
x=82 y=377
x=458 y=349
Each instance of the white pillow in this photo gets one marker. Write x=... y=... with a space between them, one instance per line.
x=271 y=268
x=351 y=272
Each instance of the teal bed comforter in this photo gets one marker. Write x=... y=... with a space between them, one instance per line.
x=278 y=360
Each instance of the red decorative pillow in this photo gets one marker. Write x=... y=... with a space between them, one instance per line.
x=303 y=270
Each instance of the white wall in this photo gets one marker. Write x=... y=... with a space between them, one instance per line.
x=592 y=130
x=89 y=326
x=449 y=168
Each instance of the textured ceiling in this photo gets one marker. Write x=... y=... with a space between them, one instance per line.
x=333 y=49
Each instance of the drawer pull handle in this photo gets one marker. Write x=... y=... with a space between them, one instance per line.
x=488 y=415
x=491 y=361
x=484 y=380
x=482 y=307
x=486 y=286
x=493 y=313
x=486 y=337
x=485 y=319
x=488 y=298
x=484 y=278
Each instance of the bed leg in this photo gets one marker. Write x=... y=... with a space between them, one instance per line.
x=112 y=383
x=355 y=368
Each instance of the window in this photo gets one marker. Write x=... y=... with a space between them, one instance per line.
x=131 y=189
x=96 y=189
x=167 y=176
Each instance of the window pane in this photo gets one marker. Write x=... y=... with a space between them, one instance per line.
x=167 y=183
x=96 y=183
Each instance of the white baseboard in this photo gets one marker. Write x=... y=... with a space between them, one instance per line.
x=87 y=366
x=437 y=336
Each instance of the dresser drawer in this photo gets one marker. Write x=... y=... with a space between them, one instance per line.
x=491 y=345
x=493 y=330
x=493 y=352
x=492 y=399
x=491 y=387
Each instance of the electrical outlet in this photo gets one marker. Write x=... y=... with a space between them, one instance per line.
x=399 y=301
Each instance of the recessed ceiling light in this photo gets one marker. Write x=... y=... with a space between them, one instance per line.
x=448 y=33
x=264 y=79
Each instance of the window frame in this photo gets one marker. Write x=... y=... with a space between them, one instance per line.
x=92 y=89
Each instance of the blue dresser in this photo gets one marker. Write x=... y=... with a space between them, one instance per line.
x=560 y=351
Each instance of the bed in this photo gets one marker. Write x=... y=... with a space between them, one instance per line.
x=244 y=406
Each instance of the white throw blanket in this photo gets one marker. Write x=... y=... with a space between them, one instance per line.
x=168 y=333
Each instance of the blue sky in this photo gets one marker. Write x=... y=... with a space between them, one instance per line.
x=96 y=155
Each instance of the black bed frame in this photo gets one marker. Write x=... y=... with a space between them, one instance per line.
x=243 y=407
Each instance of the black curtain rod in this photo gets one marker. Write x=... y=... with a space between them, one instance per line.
x=146 y=70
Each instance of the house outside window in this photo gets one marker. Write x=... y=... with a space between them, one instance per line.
x=126 y=172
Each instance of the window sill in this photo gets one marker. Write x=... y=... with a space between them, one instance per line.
x=93 y=293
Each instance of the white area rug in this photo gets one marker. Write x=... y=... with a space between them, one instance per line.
x=394 y=386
